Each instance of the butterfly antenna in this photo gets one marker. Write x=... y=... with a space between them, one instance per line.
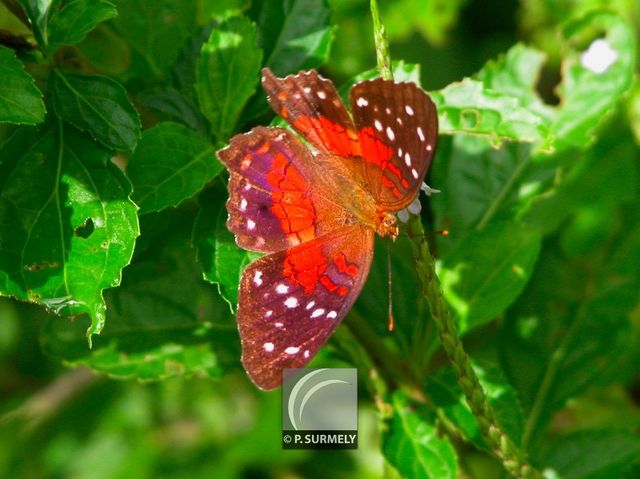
x=389 y=288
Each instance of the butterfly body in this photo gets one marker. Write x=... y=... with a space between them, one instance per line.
x=315 y=212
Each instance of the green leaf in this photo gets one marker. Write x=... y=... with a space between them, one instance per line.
x=609 y=166
x=516 y=74
x=68 y=224
x=443 y=389
x=411 y=444
x=105 y=51
x=295 y=35
x=595 y=454
x=478 y=183
x=172 y=105
x=471 y=108
x=487 y=270
x=431 y=19
x=70 y=23
x=227 y=74
x=171 y=163
x=221 y=260
x=574 y=313
x=156 y=31
x=98 y=105
x=38 y=13
x=163 y=321
x=587 y=93
x=20 y=99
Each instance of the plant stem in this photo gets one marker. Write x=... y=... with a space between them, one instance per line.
x=382 y=45
x=505 y=450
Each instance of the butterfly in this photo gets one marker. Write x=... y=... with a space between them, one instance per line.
x=314 y=210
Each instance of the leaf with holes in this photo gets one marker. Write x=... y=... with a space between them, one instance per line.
x=516 y=74
x=98 y=105
x=596 y=75
x=163 y=321
x=468 y=107
x=20 y=99
x=171 y=163
x=70 y=229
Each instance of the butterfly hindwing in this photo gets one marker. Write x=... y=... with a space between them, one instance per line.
x=272 y=202
x=290 y=302
x=397 y=127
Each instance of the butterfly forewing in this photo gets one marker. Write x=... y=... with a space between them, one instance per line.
x=290 y=302
x=312 y=106
x=397 y=128
x=273 y=200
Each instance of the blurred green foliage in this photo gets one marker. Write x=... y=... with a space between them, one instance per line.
x=539 y=167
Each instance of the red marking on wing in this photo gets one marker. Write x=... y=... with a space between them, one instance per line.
x=344 y=142
x=344 y=267
x=272 y=204
x=290 y=302
x=373 y=149
x=305 y=266
x=399 y=149
x=312 y=106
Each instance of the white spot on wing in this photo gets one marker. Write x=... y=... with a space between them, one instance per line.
x=311 y=304
x=247 y=187
x=378 y=125
x=390 y=134
x=387 y=111
x=399 y=120
x=291 y=302
x=268 y=313
x=268 y=347
x=282 y=289
x=306 y=89
x=407 y=158
x=317 y=312
x=362 y=102
x=278 y=325
x=332 y=315
x=420 y=134
x=243 y=205
x=292 y=350
x=257 y=278
x=251 y=224
x=409 y=110
x=306 y=353
x=429 y=147
x=414 y=173
x=321 y=94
